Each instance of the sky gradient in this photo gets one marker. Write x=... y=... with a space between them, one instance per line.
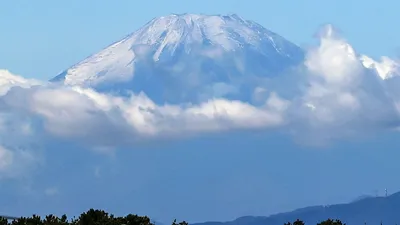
x=219 y=177
x=42 y=38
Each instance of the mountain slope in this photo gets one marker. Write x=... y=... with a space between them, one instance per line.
x=197 y=56
x=372 y=210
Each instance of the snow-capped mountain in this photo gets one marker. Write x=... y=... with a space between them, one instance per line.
x=187 y=56
x=386 y=69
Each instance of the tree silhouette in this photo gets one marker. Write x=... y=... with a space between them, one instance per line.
x=331 y=222
x=298 y=222
x=3 y=221
x=100 y=217
x=180 y=223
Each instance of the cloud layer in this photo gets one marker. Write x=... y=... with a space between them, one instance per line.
x=339 y=93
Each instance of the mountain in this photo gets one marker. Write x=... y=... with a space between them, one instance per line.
x=362 y=197
x=386 y=69
x=187 y=57
x=370 y=210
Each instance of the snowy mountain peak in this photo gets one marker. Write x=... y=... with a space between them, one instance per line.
x=227 y=31
x=386 y=69
x=195 y=50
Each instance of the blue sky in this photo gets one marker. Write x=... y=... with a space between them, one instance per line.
x=42 y=38
x=213 y=178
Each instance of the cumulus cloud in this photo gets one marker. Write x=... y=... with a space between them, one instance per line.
x=82 y=114
x=343 y=95
x=8 y=80
x=386 y=68
x=339 y=93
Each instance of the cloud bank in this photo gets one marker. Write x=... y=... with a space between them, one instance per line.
x=340 y=93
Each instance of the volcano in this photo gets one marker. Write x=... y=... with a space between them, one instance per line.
x=188 y=57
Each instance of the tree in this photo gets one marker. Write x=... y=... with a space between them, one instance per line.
x=137 y=220
x=331 y=222
x=3 y=221
x=100 y=217
x=298 y=222
x=180 y=223
x=94 y=217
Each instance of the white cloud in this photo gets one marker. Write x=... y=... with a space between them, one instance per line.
x=343 y=97
x=82 y=114
x=387 y=68
x=337 y=96
x=8 y=80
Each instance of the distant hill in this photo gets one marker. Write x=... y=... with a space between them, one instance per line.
x=369 y=210
x=362 y=197
x=8 y=217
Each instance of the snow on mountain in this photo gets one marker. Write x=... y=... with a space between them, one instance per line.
x=386 y=69
x=194 y=55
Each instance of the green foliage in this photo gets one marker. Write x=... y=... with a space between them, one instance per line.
x=100 y=217
x=326 y=222
x=297 y=222
x=180 y=223
x=91 y=217
x=3 y=221
x=331 y=222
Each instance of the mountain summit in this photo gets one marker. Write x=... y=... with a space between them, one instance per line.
x=192 y=53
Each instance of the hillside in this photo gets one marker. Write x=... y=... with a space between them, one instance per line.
x=373 y=210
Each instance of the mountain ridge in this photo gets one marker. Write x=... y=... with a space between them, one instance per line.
x=371 y=210
x=196 y=55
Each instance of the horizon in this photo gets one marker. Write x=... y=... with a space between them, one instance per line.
x=356 y=200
